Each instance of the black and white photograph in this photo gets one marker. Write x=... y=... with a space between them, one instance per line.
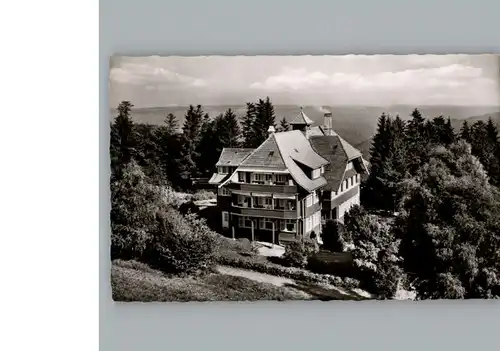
x=355 y=177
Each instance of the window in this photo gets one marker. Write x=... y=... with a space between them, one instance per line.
x=349 y=166
x=281 y=178
x=322 y=169
x=287 y=225
x=315 y=197
x=243 y=201
x=265 y=202
x=266 y=223
x=346 y=186
x=223 y=170
x=309 y=224
x=224 y=192
x=309 y=201
x=315 y=173
x=261 y=178
x=352 y=180
x=241 y=177
x=225 y=219
x=316 y=219
x=245 y=222
x=357 y=178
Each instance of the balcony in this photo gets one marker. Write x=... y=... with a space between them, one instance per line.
x=264 y=188
x=264 y=212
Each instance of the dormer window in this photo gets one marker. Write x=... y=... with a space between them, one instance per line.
x=349 y=166
x=223 y=170
x=316 y=173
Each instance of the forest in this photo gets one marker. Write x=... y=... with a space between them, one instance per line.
x=429 y=219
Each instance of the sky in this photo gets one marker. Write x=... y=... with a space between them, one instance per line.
x=360 y=80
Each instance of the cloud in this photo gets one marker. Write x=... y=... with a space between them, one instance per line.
x=301 y=79
x=150 y=75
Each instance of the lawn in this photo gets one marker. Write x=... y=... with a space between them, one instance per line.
x=133 y=281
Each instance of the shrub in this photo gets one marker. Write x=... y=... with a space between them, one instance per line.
x=298 y=252
x=203 y=195
x=189 y=207
x=332 y=235
x=184 y=244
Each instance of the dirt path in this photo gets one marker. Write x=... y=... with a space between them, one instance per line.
x=314 y=291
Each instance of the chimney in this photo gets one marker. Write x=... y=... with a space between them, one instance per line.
x=328 y=123
x=271 y=130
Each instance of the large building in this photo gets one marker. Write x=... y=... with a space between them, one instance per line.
x=285 y=188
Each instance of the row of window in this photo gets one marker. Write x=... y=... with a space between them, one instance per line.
x=313 y=221
x=312 y=199
x=264 y=178
x=267 y=224
x=350 y=182
x=264 y=202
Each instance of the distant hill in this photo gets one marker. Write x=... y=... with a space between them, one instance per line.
x=356 y=124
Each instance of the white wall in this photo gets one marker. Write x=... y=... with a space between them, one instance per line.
x=345 y=206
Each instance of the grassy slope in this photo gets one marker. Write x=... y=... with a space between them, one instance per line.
x=132 y=281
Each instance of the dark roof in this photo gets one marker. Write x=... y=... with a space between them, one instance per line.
x=267 y=155
x=330 y=147
x=302 y=119
x=233 y=156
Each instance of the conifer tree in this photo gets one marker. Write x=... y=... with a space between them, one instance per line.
x=416 y=141
x=191 y=136
x=248 y=126
x=465 y=132
x=265 y=117
x=171 y=124
x=123 y=140
x=229 y=130
x=284 y=125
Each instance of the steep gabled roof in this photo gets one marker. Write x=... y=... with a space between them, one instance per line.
x=233 y=156
x=267 y=155
x=350 y=151
x=302 y=119
x=294 y=147
x=217 y=178
x=330 y=147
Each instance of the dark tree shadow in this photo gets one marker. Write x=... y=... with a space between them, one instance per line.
x=325 y=294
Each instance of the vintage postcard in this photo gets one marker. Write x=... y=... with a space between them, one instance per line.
x=305 y=177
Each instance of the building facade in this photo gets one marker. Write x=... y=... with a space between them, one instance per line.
x=285 y=188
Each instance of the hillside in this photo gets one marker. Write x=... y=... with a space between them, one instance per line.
x=356 y=124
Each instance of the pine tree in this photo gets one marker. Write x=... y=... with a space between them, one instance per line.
x=191 y=136
x=265 y=117
x=465 y=132
x=379 y=145
x=248 y=126
x=416 y=141
x=171 y=124
x=230 y=130
x=123 y=140
x=284 y=126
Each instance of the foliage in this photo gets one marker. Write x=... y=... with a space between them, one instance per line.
x=298 y=252
x=258 y=118
x=284 y=125
x=123 y=141
x=333 y=236
x=374 y=251
x=146 y=228
x=135 y=204
x=183 y=244
x=450 y=225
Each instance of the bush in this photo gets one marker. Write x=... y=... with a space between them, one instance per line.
x=387 y=276
x=184 y=244
x=333 y=239
x=203 y=195
x=298 y=252
x=189 y=207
